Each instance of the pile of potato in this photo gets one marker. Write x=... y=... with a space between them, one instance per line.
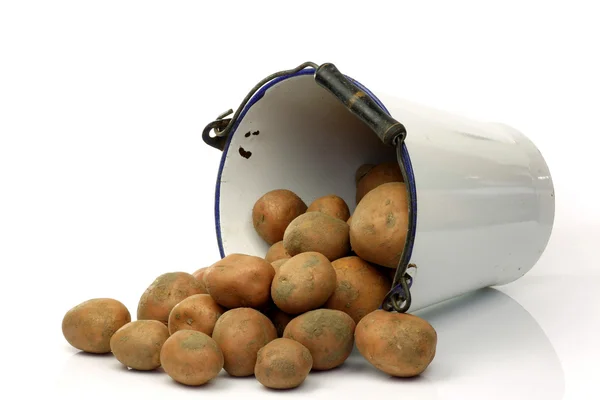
x=315 y=294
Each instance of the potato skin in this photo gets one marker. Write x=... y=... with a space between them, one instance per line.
x=240 y=280
x=380 y=224
x=331 y=205
x=376 y=176
x=362 y=171
x=276 y=252
x=191 y=357
x=240 y=333
x=277 y=264
x=327 y=334
x=400 y=345
x=137 y=344
x=197 y=313
x=199 y=275
x=303 y=283
x=89 y=325
x=282 y=364
x=280 y=320
x=273 y=212
x=319 y=232
x=164 y=293
x=360 y=287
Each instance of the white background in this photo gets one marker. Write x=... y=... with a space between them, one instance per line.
x=105 y=182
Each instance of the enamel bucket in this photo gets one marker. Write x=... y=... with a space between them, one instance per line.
x=481 y=197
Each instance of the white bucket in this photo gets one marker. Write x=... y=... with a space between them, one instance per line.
x=482 y=198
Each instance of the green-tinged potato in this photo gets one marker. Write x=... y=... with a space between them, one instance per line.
x=191 y=357
x=319 y=232
x=164 y=293
x=90 y=325
x=331 y=205
x=198 y=313
x=380 y=224
x=240 y=333
x=240 y=280
x=327 y=334
x=282 y=364
x=273 y=212
x=376 y=176
x=276 y=252
x=360 y=288
x=137 y=344
x=279 y=263
x=303 y=283
x=398 y=344
x=199 y=275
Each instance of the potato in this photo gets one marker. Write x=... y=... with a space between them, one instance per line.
x=273 y=212
x=331 y=205
x=164 y=293
x=303 y=283
x=360 y=287
x=137 y=344
x=398 y=344
x=240 y=280
x=279 y=319
x=199 y=275
x=349 y=220
x=90 y=325
x=276 y=252
x=362 y=171
x=240 y=333
x=316 y=231
x=198 y=313
x=279 y=263
x=191 y=357
x=380 y=224
x=283 y=364
x=376 y=176
x=327 y=334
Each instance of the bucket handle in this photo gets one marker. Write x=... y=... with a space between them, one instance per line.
x=390 y=132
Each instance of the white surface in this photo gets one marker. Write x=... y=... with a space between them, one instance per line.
x=105 y=182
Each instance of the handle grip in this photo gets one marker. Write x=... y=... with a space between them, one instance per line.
x=360 y=104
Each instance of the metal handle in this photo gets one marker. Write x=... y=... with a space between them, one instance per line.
x=390 y=131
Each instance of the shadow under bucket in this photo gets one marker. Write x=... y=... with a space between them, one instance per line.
x=481 y=197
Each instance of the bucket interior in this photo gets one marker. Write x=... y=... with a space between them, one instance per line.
x=292 y=135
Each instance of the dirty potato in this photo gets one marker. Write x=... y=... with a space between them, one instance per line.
x=398 y=344
x=191 y=357
x=303 y=283
x=198 y=313
x=240 y=280
x=283 y=364
x=199 y=275
x=164 y=293
x=319 y=232
x=376 y=176
x=280 y=319
x=240 y=333
x=327 y=334
x=379 y=225
x=90 y=325
x=362 y=171
x=360 y=287
x=331 y=205
x=137 y=344
x=279 y=263
x=273 y=212
x=276 y=252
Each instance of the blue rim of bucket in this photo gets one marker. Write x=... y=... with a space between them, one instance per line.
x=404 y=157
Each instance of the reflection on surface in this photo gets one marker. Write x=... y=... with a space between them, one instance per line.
x=489 y=347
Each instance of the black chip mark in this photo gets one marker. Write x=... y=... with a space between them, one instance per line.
x=255 y=133
x=247 y=134
x=244 y=153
